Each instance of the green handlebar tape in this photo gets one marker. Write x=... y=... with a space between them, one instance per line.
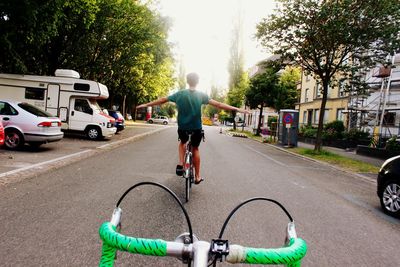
x=112 y=240
x=290 y=255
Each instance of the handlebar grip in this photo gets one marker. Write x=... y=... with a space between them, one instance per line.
x=290 y=255
x=113 y=241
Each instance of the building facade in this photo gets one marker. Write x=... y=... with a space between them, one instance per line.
x=309 y=102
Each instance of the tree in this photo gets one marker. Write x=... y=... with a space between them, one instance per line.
x=262 y=90
x=238 y=78
x=35 y=35
x=215 y=94
x=181 y=76
x=120 y=43
x=286 y=94
x=329 y=38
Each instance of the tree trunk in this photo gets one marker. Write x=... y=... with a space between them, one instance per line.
x=259 y=121
x=124 y=107
x=234 y=122
x=318 y=141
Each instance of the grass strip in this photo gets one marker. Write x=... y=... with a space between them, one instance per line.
x=338 y=160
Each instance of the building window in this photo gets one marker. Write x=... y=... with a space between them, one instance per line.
x=317 y=90
x=316 y=116
x=326 y=115
x=304 y=117
x=34 y=93
x=389 y=119
x=340 y=114
x=341 y=88
x=307 y=78
x=306 y=96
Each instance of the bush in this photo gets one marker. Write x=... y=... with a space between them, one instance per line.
x=336 y=126
x=392 y=145
x=271 y=119
x=333 y=130
x=308 y=131
x=356 y=135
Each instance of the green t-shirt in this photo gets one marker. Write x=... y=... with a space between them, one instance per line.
x=189 y=104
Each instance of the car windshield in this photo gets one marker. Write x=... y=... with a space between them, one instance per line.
x=95 y=106
x=34 y=110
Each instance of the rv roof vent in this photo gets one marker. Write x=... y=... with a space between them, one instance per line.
x=67 y=73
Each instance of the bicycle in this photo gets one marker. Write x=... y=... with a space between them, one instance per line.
x=189 y=249
x=188 y=167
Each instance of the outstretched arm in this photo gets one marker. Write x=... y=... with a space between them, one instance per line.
x=220 y=105
x=154 y=103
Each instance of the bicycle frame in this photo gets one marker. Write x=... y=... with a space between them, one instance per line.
x=188 y=172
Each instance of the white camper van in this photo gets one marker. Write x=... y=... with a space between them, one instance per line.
x=66 y=96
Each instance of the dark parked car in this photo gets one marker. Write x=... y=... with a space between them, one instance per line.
x=119 y=119
x=388 y=188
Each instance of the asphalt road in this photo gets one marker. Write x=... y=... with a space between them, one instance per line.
x=53 y=218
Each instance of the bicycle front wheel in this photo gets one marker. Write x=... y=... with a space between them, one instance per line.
x=187 y=185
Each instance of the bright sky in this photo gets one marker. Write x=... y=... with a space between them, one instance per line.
x=202 y=32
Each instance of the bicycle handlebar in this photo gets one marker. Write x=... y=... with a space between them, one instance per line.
x=113 y=241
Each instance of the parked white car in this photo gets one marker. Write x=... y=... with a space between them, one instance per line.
x=25 y=123
x=159 y=119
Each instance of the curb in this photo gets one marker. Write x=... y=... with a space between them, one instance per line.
x=43 y=167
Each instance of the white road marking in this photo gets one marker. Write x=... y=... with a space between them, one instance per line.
x=38 y=165
x=264 y=155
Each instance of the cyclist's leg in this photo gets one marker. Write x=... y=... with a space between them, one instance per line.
x=196 y=139
x=183 y=137
x=181 y=148
x=196 y=163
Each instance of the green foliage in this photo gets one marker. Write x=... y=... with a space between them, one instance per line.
x=271 y=119
x=287 y=94
x=262 y=89
x=333 y=130
x=209 y=111
x=355 y=135
x=310 y=152
x=392 y=145
x=168 y=110
x=337 y=126
x=308 y=131
x=120 y=43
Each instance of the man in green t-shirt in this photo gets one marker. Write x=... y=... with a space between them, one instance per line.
x=188 y=103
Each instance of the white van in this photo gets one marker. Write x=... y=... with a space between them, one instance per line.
x=66 y=96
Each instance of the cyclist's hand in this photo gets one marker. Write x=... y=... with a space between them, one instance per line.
x=243 y=111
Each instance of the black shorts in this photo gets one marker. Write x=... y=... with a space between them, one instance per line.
x=197 y=135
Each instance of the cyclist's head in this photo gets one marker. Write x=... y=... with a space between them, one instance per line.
x=192 y=79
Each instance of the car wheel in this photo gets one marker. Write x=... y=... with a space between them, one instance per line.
x=93 y=133
x=165 y=122
x=13 y=139
x=390 y=198
x=150 y=121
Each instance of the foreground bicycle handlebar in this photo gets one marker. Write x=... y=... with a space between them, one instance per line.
x=198 y=251
x=189 y=249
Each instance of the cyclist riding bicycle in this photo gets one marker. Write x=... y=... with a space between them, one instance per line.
x=189 y=102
